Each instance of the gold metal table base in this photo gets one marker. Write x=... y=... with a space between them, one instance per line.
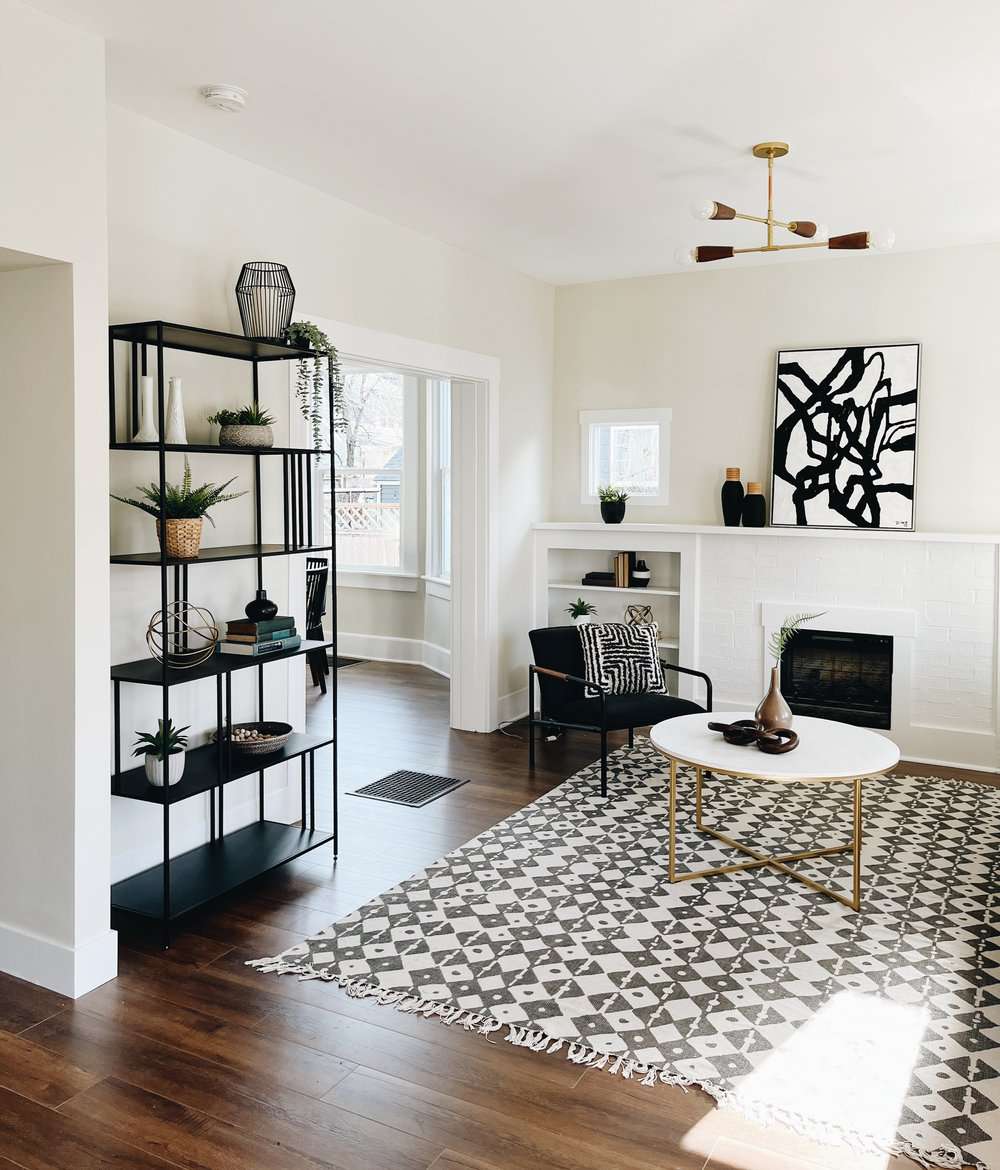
x=777 y=861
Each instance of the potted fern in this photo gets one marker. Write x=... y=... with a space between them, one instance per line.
x=184 y=508
x=612 y=504
x=156 y=746
x=582 y=612
x=248 y=428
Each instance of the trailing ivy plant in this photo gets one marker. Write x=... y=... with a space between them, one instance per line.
x=315 y=378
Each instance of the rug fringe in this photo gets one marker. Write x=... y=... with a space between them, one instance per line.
x=624 y=1066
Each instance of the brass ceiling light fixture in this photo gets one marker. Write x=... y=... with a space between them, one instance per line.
x=814 y=236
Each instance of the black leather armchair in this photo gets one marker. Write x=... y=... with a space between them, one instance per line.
x=568 y=701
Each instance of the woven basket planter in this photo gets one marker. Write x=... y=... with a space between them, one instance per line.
x=183 y=538
x=237 y=435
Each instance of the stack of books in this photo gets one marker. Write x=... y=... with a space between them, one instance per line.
x=258 y=639
x=623 y=570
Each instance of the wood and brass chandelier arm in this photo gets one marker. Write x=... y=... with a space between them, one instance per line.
x=806 y=229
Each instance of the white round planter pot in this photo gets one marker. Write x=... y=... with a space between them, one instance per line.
x=247 y=437
x=585 y=619
x=154 y=769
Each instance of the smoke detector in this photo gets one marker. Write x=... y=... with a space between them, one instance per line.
x=230 y=98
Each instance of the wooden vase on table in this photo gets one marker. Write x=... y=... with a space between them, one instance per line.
x=773 y=712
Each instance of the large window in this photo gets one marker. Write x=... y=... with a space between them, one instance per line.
x=370 y=455
x=627 y=449
x=439 y=479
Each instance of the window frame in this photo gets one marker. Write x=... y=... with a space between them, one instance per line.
x=436 y=573
x=406 y=576
x=659 y=416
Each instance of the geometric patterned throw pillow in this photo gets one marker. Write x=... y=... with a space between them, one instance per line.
x=624 y=660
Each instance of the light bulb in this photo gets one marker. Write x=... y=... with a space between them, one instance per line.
x=684 y=257
x=703 y=208
x=881 y=239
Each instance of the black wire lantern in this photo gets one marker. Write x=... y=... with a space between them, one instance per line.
x=266 y=296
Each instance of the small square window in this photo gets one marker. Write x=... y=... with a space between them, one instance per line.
x=627 y=449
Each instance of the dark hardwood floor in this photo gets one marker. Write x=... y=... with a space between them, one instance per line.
x=190 y=1059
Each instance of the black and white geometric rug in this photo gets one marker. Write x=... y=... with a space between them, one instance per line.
x=879 y=1029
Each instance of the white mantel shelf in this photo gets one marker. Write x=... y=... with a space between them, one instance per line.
x=810 y=533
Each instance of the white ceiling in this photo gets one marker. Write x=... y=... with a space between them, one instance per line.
x=569 y=137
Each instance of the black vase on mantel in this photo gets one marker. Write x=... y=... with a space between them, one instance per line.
x=754 y=509
x=732 y=498
x=261 y=609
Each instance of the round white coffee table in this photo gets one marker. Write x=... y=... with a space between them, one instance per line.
x=828 y=752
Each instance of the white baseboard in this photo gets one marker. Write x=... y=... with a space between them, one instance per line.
x=380 y=648
x=513 y=705
x=71 y=971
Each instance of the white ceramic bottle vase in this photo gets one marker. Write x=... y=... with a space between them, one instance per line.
x=147 y=432
x=175 y=428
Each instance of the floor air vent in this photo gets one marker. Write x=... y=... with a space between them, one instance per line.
x=411 y=788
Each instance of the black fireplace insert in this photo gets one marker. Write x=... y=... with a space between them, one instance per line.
x=841 y=676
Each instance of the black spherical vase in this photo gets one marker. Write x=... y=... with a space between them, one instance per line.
x=261 y=609
x=732 y=498
x=612 y=511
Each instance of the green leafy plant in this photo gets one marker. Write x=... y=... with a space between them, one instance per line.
x=315 y=378
x=161 y=743
x=246 y=416
x=789 y=628
x=181 y=501
x=580 y=608
x=612 y=495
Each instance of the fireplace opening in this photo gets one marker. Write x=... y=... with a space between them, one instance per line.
x=839 y=676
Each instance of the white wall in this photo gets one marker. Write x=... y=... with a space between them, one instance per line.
x=704 y=344
x=183 y=217
x=54 y=788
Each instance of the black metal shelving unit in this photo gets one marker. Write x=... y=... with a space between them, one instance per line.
x=180 y=884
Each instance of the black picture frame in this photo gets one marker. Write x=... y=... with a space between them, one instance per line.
x=897 y=438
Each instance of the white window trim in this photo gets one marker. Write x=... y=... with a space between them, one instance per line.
x=437 y=587
x=432 y=533
x=377 y=578
x=655 y=416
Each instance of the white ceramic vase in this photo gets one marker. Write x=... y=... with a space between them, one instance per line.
x=154 y=768
x=584 y=619
x=147 y=432
x=175 y=428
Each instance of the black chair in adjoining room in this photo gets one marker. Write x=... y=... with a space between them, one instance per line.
x=317 y=575
x=570 y=702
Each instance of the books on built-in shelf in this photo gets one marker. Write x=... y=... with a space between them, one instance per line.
x=261 y=649
x=267 y=636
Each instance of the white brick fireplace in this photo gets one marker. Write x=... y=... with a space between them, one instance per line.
x=934 y=594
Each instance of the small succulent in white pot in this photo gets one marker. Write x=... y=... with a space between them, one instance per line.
x=156 y=746
x=582 y=612
x=249 y=427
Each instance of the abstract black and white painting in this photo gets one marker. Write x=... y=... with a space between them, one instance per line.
x=845 y=437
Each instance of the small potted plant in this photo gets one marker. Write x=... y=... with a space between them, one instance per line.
x=612 y=504
x=316 y=377
x=156 y=746
x=249 y=427
x=185 y=507
x=582 y=612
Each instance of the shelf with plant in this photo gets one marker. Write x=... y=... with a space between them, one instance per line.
x=184 y=508
x=204 y=770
